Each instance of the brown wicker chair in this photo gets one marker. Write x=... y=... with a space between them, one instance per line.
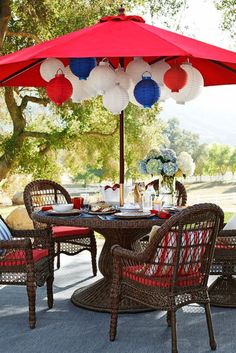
x=180 y=191
x=173 y=269
x=28 y=261
x=222 y=291
x=68 y=240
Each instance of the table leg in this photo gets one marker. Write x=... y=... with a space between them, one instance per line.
x=96 y=296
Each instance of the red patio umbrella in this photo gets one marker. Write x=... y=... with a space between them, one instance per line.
x=119 y=39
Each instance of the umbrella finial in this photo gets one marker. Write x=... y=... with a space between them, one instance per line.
x=121 y=10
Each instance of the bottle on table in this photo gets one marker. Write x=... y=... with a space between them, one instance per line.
x=148 y=198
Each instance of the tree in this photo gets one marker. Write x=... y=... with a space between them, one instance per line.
x=179 y=139
x=219 y=157
x=232 y=161
x=32 y=143
x=228 y=8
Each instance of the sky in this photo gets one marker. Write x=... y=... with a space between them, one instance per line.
x=212 y=114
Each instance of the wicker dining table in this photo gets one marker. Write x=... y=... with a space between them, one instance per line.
x=124 y=232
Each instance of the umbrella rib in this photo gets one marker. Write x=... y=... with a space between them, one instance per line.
x=223 y=65
x=25 y=68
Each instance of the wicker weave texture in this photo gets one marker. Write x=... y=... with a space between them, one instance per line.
x=173 y=269
x=18 y=266
x=39 y=193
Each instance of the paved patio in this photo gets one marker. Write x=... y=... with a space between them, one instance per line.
x=68 y=329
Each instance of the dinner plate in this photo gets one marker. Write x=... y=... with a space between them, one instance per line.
x=72 y=212
x=129 y=215
x=101 y=213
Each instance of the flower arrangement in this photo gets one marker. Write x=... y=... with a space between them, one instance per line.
x=166 y=163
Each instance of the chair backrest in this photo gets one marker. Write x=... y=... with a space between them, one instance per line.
x=180 y=253
x=181 y=194
x=43 y=192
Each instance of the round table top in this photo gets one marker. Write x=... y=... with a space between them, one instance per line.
x=95 y=221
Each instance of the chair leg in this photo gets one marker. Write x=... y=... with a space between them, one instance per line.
x=168 y=318
x=94 y=253
x=58 y=255
x=210 y=327
x=31 y=291
x=114 y=316
x=50 y=291
x=173 y=331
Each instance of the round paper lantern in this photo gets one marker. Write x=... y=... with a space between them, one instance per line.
x=164 y=93
x=102 y=77
x=79 y=91
x=136 y=68
x=175 y=78
x=193 y=86
x=123 y=78
x=147 y=91
x=49 y=68
x=86 y=86
x=59 y=89
x=132 y=98
x=158 y=70
x=81 y=67
x=116 y=99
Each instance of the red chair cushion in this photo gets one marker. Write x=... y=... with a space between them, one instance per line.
x=161 y=269
x=17 y=258
x=62 y=231
x=132 y=272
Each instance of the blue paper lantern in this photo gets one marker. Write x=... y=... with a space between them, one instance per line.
x=81 y=67
x=147 y=91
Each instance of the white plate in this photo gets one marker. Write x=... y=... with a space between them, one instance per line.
x=129 y=209
x=128 y=215
x=72 y=212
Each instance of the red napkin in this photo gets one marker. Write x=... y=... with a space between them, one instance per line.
x=46 y=208
x=161 y=214
x=164 y=214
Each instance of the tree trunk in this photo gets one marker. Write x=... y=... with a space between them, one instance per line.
x=5 y=14
x=15 y=143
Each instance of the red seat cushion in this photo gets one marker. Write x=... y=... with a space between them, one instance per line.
x=135 y=273
x=160 y=271
x=62 y=231
x=17 y=258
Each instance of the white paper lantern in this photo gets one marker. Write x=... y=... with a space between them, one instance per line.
x=193 y=87
x=158 y=70
x=136 y=68
x=116 y=99
x=132 y=98
x=49 y=68
x=123 y=78
x=90 y=89
x=81 y=89
x=102 y=77
x=165 y=93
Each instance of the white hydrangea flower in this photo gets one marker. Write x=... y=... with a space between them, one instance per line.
x=186 y=164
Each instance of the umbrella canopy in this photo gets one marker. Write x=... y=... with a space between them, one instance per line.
x=120 y=39
x=117 y=37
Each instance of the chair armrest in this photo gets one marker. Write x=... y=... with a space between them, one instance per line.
x=32 y=233
x=117 y=250
x=16 y=244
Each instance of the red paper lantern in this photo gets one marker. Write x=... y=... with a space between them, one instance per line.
x=175 y=78
x=59 y=89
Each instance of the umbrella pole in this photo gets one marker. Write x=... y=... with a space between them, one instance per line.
x=122 y=158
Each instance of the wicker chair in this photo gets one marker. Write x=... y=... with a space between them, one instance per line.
x=181 y=194
x=173 y=269
x=68 y=240
x=28 y=261
x=222 y=291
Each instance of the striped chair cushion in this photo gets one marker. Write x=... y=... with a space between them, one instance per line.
x=5 y=234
